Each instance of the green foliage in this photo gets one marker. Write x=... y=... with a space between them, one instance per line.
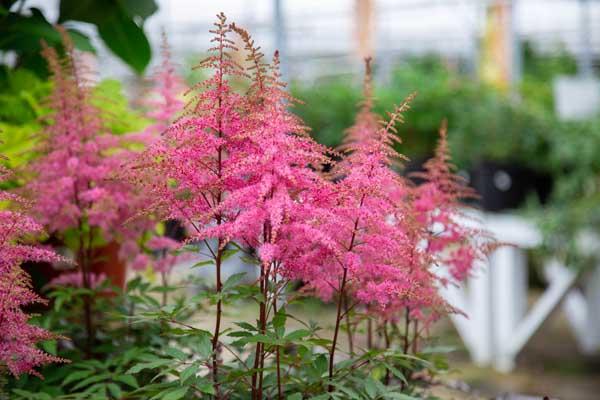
x=539 y=71
x=476 y=114
x=119 y=23
x=146 y=350
x=118 y=115
x=328 y=107
x=124 y=349
x=22 y=96
x=22 y=106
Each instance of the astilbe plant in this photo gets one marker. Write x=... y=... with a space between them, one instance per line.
x=393 y=241
x=241 y=171
x=19 y=339
x=196 y=158
x=163 y=102
x=79 y=200
x=237 y=168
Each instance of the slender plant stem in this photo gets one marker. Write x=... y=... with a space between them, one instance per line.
x=83 y=261
x=387 y=346
x=263 y=328
x=215 y=342
x=341 y=296
x=261 y=317
x=277 y=348
x=369 y=333
x=415 y=339
x=163 y=277
x=337 y=327
x=348 y=325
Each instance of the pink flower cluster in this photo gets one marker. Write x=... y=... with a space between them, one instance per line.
x=163 y=101
x=74 y=179
x=240 y=167
x=75 y=279
x=164 y=256
x=18 y=339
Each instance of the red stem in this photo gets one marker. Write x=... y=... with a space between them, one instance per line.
x=215 y=342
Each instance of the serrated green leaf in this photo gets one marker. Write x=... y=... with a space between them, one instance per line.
x=297 y=334
x=176 y=353
x=370 y=387
x=115 y=390
x=128 y=380
x=175 y=394
x=90 y=380
x=233 y=280
x=203 y=264
x=187 y=373
x=149 y=365
x=78 y=375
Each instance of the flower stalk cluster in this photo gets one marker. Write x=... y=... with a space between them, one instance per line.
x=241 y=169
x=18 y=340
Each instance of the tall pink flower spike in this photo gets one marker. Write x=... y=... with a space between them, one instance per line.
x=18 y=339
x=75 y=178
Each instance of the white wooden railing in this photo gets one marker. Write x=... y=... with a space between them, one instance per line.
x=499 y=323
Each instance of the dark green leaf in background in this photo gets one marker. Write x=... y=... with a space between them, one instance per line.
x=126 y=40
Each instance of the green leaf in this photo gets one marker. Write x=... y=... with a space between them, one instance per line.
x=202 y=264
x=227 y=253
x=90 y=380
x=246 y=325
x=233 y=280
x=295 y=396
x=206 y=388
x=92 y=11
x=187 y=373
x=400 y=396
x=24 y=33
x=297 y=334
x=81 y=41
x=127 y=40
x=176 y=353
x=205 y=346
x=320 y=364
x=175 y=394
x=370 y=387
x=75 y=376
x=115 y=390
x=149 y=365
x=279 y=321
x=128 y=380
x=138 y=8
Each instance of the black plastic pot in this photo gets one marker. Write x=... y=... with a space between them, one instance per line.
x=503 y=186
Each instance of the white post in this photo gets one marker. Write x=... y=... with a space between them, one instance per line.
x=480 y=293
x=509 y=279
x=592 y=293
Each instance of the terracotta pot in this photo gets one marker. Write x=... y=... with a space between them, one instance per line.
x=108 y=263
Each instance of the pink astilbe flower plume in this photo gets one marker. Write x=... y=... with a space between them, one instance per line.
x=367 y=240
x=278 y=166
x=164 y=99
x=75 y=178
x=18 y=339
x=197 y=160
x=452 y=237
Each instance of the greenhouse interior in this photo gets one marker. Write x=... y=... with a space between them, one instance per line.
x=285 y=199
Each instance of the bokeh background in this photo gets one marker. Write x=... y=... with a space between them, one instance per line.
x=516 y=80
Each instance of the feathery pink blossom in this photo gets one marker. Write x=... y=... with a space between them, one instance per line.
x=74 y=179
x=18 y=339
